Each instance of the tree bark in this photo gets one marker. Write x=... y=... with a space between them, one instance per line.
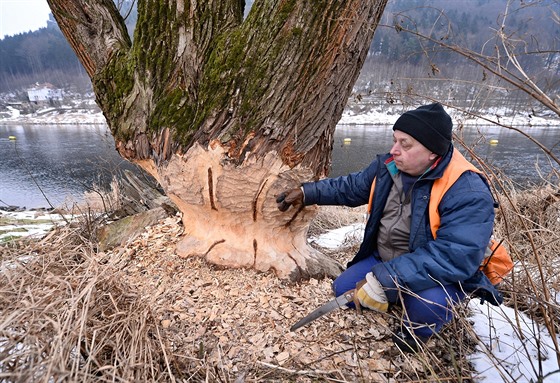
x=225 y=112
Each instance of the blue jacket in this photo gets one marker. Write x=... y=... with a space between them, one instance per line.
x=467 y=218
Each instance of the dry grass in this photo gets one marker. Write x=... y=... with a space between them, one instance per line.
x=333 y=217
x=65 y=316
x=140 y=313
x=529 y=222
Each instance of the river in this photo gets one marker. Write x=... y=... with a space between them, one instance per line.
x=51 y=165
x=506 y=151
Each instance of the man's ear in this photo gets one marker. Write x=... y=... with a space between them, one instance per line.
x=433 y=156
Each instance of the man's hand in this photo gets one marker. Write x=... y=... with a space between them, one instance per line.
x=288 y=198
x=369 y=293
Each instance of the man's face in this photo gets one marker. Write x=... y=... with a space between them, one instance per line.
x=410 y=155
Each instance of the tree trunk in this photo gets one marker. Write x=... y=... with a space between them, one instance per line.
x=226 y=112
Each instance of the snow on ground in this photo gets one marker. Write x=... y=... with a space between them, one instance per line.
x=15 y=113
x=506 y=352
x=86 y=112
x=340 y=237
x=388 y=116
x=62 y=115
x=28 y=223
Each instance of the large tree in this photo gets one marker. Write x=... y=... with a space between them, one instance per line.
x=225 y=113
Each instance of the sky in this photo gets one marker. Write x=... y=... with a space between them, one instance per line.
x=19 y=16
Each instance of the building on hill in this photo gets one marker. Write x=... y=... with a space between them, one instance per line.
x=43 y=93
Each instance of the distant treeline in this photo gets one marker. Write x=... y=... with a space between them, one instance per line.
x=45 y=56
x=40 y=56
x=402 y=62
x=470 y=24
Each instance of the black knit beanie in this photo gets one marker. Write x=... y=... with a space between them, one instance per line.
x=430 y=125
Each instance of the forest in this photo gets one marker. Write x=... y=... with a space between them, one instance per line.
x=401 y=60
x=451 y=51
x=44 y=56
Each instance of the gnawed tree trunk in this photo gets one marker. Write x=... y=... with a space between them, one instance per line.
x=226 y=112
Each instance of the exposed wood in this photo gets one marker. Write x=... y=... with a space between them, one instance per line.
x=226 y=112
x=242 y=227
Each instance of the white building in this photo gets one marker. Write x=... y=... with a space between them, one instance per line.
x=44 y=93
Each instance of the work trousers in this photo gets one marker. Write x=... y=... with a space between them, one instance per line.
x=425 y=311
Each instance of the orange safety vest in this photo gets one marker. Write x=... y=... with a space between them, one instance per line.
x=497 y=262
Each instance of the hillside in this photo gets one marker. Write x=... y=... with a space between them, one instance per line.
x=399 y=65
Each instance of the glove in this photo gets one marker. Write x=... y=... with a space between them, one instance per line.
x=288 y=198
x=369 y=293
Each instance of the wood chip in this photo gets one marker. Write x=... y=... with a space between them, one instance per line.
x=241 y=318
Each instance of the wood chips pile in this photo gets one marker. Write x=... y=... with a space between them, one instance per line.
x=141 y=313
x=233 y=325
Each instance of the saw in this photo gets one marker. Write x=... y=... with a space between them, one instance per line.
x=337 y=303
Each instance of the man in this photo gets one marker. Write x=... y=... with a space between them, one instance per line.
x=424 y=258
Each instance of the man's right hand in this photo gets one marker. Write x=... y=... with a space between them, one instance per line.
x=369 y=293
x=288 y=198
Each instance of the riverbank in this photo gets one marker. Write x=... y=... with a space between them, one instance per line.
x=362 y=113
x=55 y=116
x=387 y=115
x=209 y=321
x=28 y=223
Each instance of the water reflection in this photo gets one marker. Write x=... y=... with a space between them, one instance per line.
x=366 y=141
